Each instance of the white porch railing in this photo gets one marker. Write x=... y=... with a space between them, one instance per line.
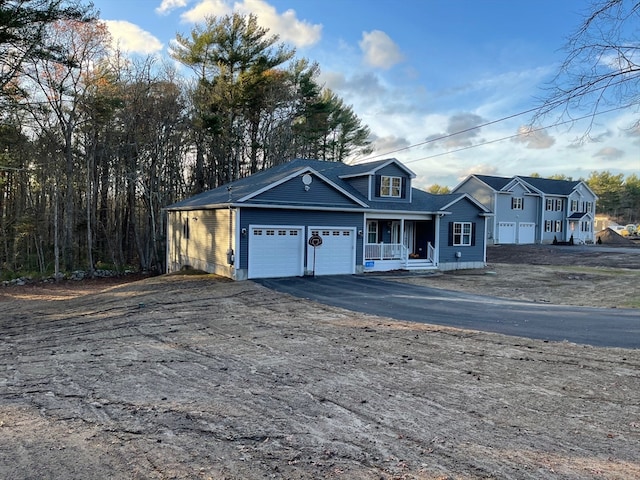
x=431 y=252
x=385 y=251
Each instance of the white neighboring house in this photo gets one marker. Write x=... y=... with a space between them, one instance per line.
x=533 y=209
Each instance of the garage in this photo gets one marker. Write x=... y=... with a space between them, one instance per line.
x=276 y=251
x=506 y=232
x=526 y=232
x=337 y=253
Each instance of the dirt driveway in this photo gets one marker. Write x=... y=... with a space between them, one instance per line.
x=193 y=377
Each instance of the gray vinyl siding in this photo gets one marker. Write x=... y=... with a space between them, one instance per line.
x=293 y=192
x=478 y=190
x=260 y=216
x=462 y=211
x=361 y=184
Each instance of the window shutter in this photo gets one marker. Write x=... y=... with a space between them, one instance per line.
x=473 y=234
x=377 y=191
x=450 y=234
x=403 y=189
x=513 y=202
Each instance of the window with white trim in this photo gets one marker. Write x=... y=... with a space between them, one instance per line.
x=372 y=232
x=390 y=186
x=516 y=203
x=574 y=205
x=462 y=234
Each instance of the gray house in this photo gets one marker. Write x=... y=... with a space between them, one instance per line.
x=533 y=209
x=312 y=217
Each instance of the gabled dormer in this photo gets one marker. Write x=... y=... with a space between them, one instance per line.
x=384 y=180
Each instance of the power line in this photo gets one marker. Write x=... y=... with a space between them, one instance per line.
x=551 y=105
x=515 y=135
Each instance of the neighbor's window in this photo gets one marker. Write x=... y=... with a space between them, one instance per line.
x=588 y=206
x=559 y=204
x=462 y=233
x=390 y=186
x=516 y=203
x=558 y=226
x=549 y=204
x=574 y=205
x=548 y=225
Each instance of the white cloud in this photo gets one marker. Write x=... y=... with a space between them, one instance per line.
x=290 y=29
x=131 y=38
x=168 y=5
x=379 y=50
x=534 y=138
x=609 y=153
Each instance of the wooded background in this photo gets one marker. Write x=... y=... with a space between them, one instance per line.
x=94 y=144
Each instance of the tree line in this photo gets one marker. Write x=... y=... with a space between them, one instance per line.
x=94 y=144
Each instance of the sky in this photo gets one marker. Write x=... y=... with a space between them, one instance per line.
x=418 y=70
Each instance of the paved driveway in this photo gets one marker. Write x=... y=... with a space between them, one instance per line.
x=374 y=295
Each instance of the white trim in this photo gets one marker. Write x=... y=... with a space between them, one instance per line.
x=470 y=198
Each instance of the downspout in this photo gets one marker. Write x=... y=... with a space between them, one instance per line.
x=436 y=256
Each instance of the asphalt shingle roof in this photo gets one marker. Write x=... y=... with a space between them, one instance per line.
x=421 y=201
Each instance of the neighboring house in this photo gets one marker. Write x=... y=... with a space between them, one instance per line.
x=360 y=218
x=533 y=209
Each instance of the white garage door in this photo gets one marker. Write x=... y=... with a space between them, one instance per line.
x=526 y=232
x=276 y=251
x=506 y=232
x=336 y=255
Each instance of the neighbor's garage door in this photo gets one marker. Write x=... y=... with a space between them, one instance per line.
x=526 y=232
x=276 y=251
x=506 y=232
x=336 y=255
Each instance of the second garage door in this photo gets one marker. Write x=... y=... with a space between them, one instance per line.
x=336 y=255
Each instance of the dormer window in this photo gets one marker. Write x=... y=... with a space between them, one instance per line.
x=390 y=186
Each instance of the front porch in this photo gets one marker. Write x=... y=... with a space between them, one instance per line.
x=381 y=257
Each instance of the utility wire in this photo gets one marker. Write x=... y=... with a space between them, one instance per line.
x=552 y=105
x=528 y=132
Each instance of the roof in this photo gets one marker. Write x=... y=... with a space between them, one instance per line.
x=545 y=186
x=242 y=191
x=550 y=186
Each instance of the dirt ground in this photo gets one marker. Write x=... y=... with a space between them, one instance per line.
x=585 y=276
x=187 y=377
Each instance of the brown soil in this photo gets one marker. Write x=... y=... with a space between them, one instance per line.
x=187 y=377
x=584 y=276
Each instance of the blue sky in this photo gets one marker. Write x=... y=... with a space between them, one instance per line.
x=415 y=70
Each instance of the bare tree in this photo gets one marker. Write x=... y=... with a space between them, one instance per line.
x=602 y=67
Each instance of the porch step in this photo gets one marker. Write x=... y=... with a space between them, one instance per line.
x=420 y=265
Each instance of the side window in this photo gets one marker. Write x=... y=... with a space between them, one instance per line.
x=462 y=234
x=185 y=228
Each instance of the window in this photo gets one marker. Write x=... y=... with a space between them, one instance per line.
x=549 y=204
x=556 y=204
x=553 y=225
x=574 y=205
x=516 y=203
x=390 y=186
x=588 y=206
x=462 y=233
x=372 y=232
x=257 y=232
